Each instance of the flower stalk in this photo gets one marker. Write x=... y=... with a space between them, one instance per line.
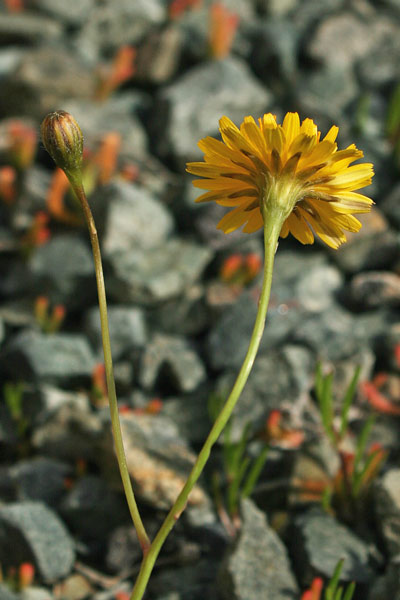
x=271 y=234
x=63 y=140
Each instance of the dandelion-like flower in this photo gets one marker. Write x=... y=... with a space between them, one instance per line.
x=284 y=172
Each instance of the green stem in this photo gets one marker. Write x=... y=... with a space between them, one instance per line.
x=112 y=396
x=271 y=234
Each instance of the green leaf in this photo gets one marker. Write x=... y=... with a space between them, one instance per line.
x=362 y=442
x=348 y=399
x=233 y=489
x=334 y=581
x=350 y=591
x=254 y=473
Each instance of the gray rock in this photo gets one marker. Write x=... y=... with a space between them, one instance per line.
x=44 y=79
x=381 y=66
x=63 y=269
x=30 y=531
x=184 y=315
x=189 y=413
x=189 y=582
x=277 y=379
x=118 y=115
x=34 y=592
x=258 y=566
x=112 y=25
x=128 y=330
x=158 y=459
x=274 y=49
x=172 y=357
x=74 y=13
x=196 y=101
x=325 y=93
x=389 y=341
x=375 y=289
x=328 y=334
x=228 y=341
x=320 y=541
x=91 y=509
x=388 y=585
x=28 y=28
x=387 y=508
x=58 y=358
x=7 y=594
x=70 y=431
x=134 y=219
x=373 y=252
x=40 y=479
x=317 y=287
x=374 y=247
x=391 y=206
x=158 y=274
x=123 y=549
x=347 y=34
x=159 y=55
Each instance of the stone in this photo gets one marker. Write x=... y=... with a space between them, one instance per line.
x=92 y=510
x=112 y=25
x=274 y=49
x=7 y=594
x=374 y=247
x=189 y=582
x=158 y=459
x=391 y=206
x=278 y=379
x=220 y=87
x=69 y=430
x=43 y=80
x=319 y=541
x=389 y=344
x=63 y=270
x=74 y=13
x=316 y=289
x=381 y=65
x=33 y=592
x=158 y=274
x=375 y=289
x=128 y=330
x=134 y=219
x=325 y=93
x=31 y=532
x=190 y=414
x=59 y=358
x=258 y=566
x=347 y=34
x=28 y=28
x=159 y=55
x=118 y=115
x=171 y=357
x=388 y=585
x=332 y=335
x=40 y=479
x=123 y=549
x=386 y=493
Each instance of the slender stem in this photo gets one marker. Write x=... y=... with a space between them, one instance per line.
x=112 y=396
x=271 y=234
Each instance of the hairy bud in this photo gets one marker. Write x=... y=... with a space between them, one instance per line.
x=63 y=140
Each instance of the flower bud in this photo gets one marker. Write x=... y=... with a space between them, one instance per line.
x=63 y=140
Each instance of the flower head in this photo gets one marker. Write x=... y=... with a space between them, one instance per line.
x=63 y=140
x=287 y=172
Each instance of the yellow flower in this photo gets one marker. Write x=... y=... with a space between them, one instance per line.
x=286 y=170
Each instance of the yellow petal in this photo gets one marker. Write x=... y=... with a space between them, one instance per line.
x=291 y=127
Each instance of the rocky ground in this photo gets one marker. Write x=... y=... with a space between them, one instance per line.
x=146 y=80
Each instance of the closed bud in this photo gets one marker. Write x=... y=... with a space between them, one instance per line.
x=63 y=140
